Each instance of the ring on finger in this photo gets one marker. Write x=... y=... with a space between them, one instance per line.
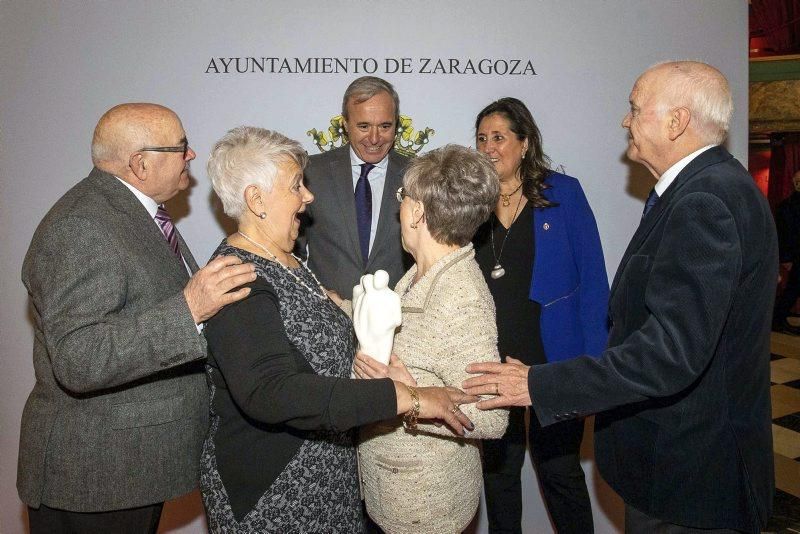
x=497 y=389
x=454 y=410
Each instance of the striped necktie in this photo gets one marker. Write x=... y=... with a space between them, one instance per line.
x=168 y=229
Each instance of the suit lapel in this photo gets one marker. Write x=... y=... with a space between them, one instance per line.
x=388 y=204
x=187 y=254
x=711 y=156
x=341 y=175
x=142 y=225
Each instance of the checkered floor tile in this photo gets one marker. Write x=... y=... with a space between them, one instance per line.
x=785 y=391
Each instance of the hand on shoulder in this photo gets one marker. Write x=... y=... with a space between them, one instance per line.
x=214 y=286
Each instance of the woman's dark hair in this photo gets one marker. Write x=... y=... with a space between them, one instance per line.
x=535 y=166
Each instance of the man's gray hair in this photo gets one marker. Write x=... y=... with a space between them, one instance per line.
x=458 y=187
x=245 y=156
x=705 y=91
x=364 y=88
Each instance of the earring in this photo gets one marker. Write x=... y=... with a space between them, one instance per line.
x=262 y=215
x=414 y=226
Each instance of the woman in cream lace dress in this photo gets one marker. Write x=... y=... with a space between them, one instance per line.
x=424 y=479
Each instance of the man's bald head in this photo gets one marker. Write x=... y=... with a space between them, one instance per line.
x=126 y=128
x=700 y=88
x=145 y=146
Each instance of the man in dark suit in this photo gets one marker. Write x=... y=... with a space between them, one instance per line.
x=787 y=221
x=682 y=430
x=353 y=226
x=116 y=420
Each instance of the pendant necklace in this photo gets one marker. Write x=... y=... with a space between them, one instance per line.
x=507 y=198
x=498 y=271
x=274 y=258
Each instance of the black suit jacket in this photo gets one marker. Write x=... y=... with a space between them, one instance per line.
x=787 y=219
x=330 y=228
x=685 y=430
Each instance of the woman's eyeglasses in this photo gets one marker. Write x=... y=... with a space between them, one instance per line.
x=401 y=193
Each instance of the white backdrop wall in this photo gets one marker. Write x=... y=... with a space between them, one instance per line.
x=63 y=63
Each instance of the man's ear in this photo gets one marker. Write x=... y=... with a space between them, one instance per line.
x=679 y=119
x=138 y=165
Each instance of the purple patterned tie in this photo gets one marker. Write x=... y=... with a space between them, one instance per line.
x=168 y=229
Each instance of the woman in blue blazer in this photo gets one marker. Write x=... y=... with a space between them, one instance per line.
x=540 y=253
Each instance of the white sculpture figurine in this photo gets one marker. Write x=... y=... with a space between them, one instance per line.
x=376 y=315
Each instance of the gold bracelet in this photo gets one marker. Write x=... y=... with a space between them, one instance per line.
x=410 y=417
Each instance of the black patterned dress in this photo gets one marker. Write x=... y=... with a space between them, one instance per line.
x=279 y=456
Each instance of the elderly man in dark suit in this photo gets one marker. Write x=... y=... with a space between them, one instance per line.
x=353 y=226
x=116 y=419
x=682 y=431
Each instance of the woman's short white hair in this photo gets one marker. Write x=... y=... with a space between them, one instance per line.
x=245 y=156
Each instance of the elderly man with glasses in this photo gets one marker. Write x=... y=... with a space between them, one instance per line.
x=116 y=420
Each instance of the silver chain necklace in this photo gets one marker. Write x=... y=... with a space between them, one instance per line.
x=274 y=258
x=498 y=271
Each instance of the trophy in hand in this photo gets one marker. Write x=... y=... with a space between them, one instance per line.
x=376 y=315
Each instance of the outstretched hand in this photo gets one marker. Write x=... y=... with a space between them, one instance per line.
x=211 y=288
x=507 y=382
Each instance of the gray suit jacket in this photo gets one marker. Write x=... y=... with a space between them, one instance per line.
x=118 y=413
x=331 y=231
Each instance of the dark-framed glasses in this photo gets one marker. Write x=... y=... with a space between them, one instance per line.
x=401 y=193
x=183 y=148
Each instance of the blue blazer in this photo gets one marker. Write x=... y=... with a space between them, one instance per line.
x=569 y=274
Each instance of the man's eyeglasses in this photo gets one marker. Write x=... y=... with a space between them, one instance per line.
x=182 y=148
x=401 y=193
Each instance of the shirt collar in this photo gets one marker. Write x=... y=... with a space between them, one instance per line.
x=149 y=204
x=355 y=161
x=670 y=174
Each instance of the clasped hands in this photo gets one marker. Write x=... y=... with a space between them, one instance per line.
x=506 y=384
x=438 y=404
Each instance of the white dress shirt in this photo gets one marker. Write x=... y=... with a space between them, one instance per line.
x=670 y=174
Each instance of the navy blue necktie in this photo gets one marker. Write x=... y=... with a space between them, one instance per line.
x=652 y=198
x=364 y=209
